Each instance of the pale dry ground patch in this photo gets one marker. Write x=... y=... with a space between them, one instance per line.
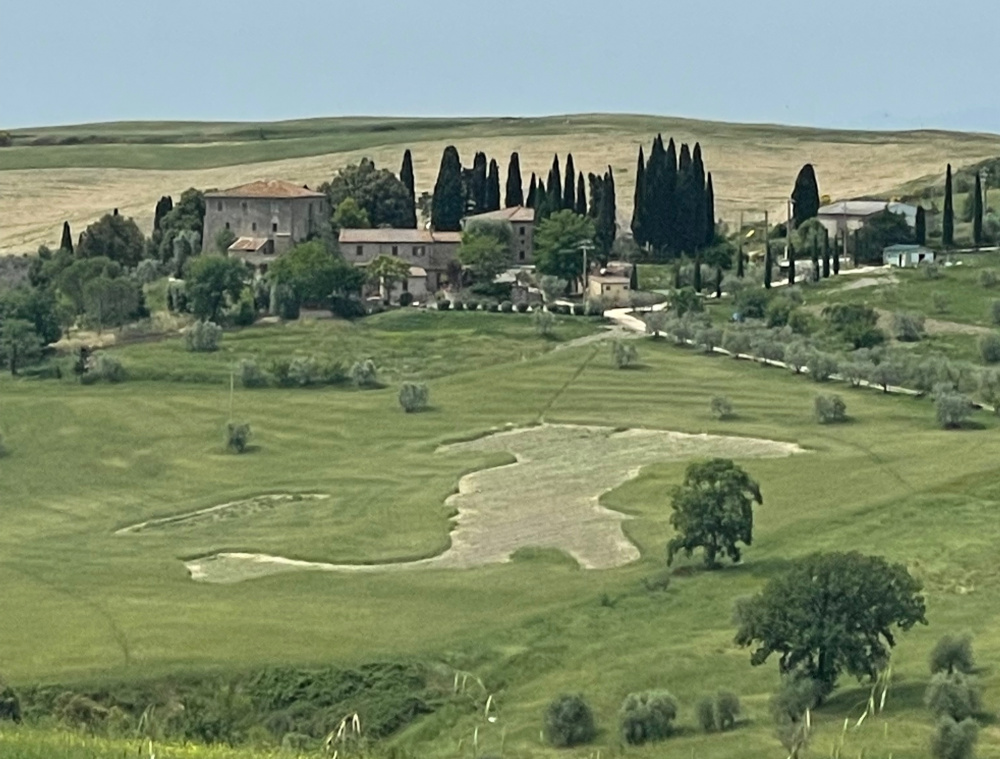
x=246 y=507
x=749 y=172
x=548 y=498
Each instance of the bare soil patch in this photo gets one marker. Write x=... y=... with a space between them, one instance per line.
x=221 y=513
x=548 y=498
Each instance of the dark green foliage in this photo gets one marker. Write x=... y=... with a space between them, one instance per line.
x=163 y=206
x=952 y=653
x=211 y=282
x=542 y=207
x=830 y=409
x=409 y=182
x=203 y=336
x=569 y=186
x=474 y=185
x=315 y=275
x=881 y=230
x=805 y=195
x=492 y=195
x=111 y=302
x=447 y=206
x=953 y=694
x=554 y=188
x=948 y=219
x=705 y=713
x=557 y=244
x=754 y=304
x=713 y=510
x=569 y=722
x=514 y=192
x=413 y=397
x=854 y=323
x=10 y=704
x=727 y=709
x=19 y=343
x=647 y=716
x=604 y=212
x=954 y=740
x=67 y=238
x=639 y=228
x=384 y=198
x=920 y=227
x=581 y=196
x=184 y=219
x=532 y=200
x=114 y=237
x=863 y=599
x=685 y=301
x=977 y=212
x=237 y=436
x=709 y=212
x=791 y=263
x=35 y=305
x=767 y=265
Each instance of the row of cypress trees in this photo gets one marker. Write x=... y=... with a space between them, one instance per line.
x=674 y=211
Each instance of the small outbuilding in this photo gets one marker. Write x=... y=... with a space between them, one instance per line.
x=907 y=256
x=613 y=287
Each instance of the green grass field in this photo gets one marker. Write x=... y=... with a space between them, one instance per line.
x=81 y=605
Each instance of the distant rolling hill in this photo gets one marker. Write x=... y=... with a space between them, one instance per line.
x=77 y=173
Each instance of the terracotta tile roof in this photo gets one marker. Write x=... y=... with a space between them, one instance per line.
x=266 y=188
x=249 y=243
x=389 y=236
x=518 y=214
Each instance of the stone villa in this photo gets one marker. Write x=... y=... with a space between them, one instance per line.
x=427 y=252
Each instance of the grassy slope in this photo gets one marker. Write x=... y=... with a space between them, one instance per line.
x=753 y=165
x=81 y=603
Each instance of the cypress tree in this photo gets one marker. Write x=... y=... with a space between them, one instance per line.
x=554 y=188
x=740 y=261
x=677 y=275
x=605 y=226
x=805 y=195
x=476 y=192
x=595 y=195
x=718 y=281
x=791 y=262
x=447 y=201
x=406 y=177
x=977 y=213
x=948 y=221
x=814 y=253
x=669 y=193
x=767 y=264
x=684 y=160
x=67 y=238
x=514 y=195
x=493 y=187
x=920 y=231
x=542 y=206
x=569 y=190
x=656 y=199
x=697 y=272
x=826 y=254
x=163 y=206
x=700 y=198
x=709 y=211
x=639 y=232
x=690 y=211
x=532 y=200
x=581 y=196
x=836 y=256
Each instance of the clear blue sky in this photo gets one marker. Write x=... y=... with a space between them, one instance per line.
x=845 y=63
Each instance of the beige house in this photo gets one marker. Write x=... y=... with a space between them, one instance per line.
x=847 y=216
x=427 y=252
x=612 y=287
x=255 y=252
x=274 y=210
x=522 y=219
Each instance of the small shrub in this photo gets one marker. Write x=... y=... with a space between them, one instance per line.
x=995 y=312
x=593 y=307
x=801 y=323
x=443 y=305
x=279 y=368
x=797 y=355
x=940 y=302
x=794 y=698
x=405 y=299
x=988 y=278
x=506 y=307
x=147 y=271
x=544 y=322
x=237 y=436
x=284 y=301
x=705 y=712
x=413 y=397
x=569 y=722
x=657 y=583
x=736 y=341
x=727 y=709
x=950 y=407
x=579 y=309
x=989 y=348
x=203 y=337
x=722 y=408
x=708 y=338
x=752 y=303
x=830 y=409
x=856 y=372
x=954 y=740
x=821 y=366
x=364 y=373
x=457 y=305
x=623 y=354
x=647 y=716
x=655 y=322
x=521 y=307
x=303 y=371
x=931 y=271
x=245 y=313
x=103 y=368
x=331 y=372
x=907 y=327
x=250 y=374
x=952 y=694
x=767 y=348
x=778 y=312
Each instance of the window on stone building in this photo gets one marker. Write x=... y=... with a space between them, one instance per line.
x=360 y=250
x=521 y=255
x=254 y=226
x=218 y=206
x=395 y=250
x=243 y=205
x=521 y=230
x=274 y=226
x=227 y=225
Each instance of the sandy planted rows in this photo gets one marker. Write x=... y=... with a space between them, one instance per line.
x=548 y=498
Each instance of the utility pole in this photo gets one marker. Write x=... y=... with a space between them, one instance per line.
x=739 y=235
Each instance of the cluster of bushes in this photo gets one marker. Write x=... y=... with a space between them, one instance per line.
x=203 y=337
x=100 y=367
x=304 y=371
x=644 y=717
x=953 y=697
x=624 y=354
x=590 y=307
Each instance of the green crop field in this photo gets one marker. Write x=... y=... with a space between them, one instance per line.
x=82 y=605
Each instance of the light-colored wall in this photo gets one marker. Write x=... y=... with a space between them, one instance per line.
x=600 y=289
x=434 y=257
x=256 y=217
x=524 y=242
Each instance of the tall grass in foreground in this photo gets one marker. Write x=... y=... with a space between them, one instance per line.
x=34 y=743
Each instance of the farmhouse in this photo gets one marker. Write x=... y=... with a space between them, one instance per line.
x=427 y=252
x=907 y=256
x=849 y=215
x=612 y=282
x=280 y=212
x=522 y=219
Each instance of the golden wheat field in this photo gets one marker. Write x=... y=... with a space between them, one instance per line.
x=753 y=168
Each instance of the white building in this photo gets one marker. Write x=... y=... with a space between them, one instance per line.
x=907 y=256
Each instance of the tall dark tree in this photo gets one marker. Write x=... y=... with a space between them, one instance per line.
x=696 y=278
x=492 y=200
x=668 y=201
x=684 y=159
x=639 y=230
x=805 y=196
x=791 y=262
x=605 y=225
x=920 y=226
x=709 y=211
x=569 y=188
x=475 y=192
x=767 y=264
x=532 y=200
x=701 y=199
x=514 y=195
x=595 y=195
x=977 y=212
x=543 y=208
x=67 y=238
x=836 y=255
x=581 y=196
x=826 y=254
x=407 y=178
x=948 y=221
x=447 y=203
x=554 y=188
x=163 y=206
x=690 y=205
x=657 y=200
